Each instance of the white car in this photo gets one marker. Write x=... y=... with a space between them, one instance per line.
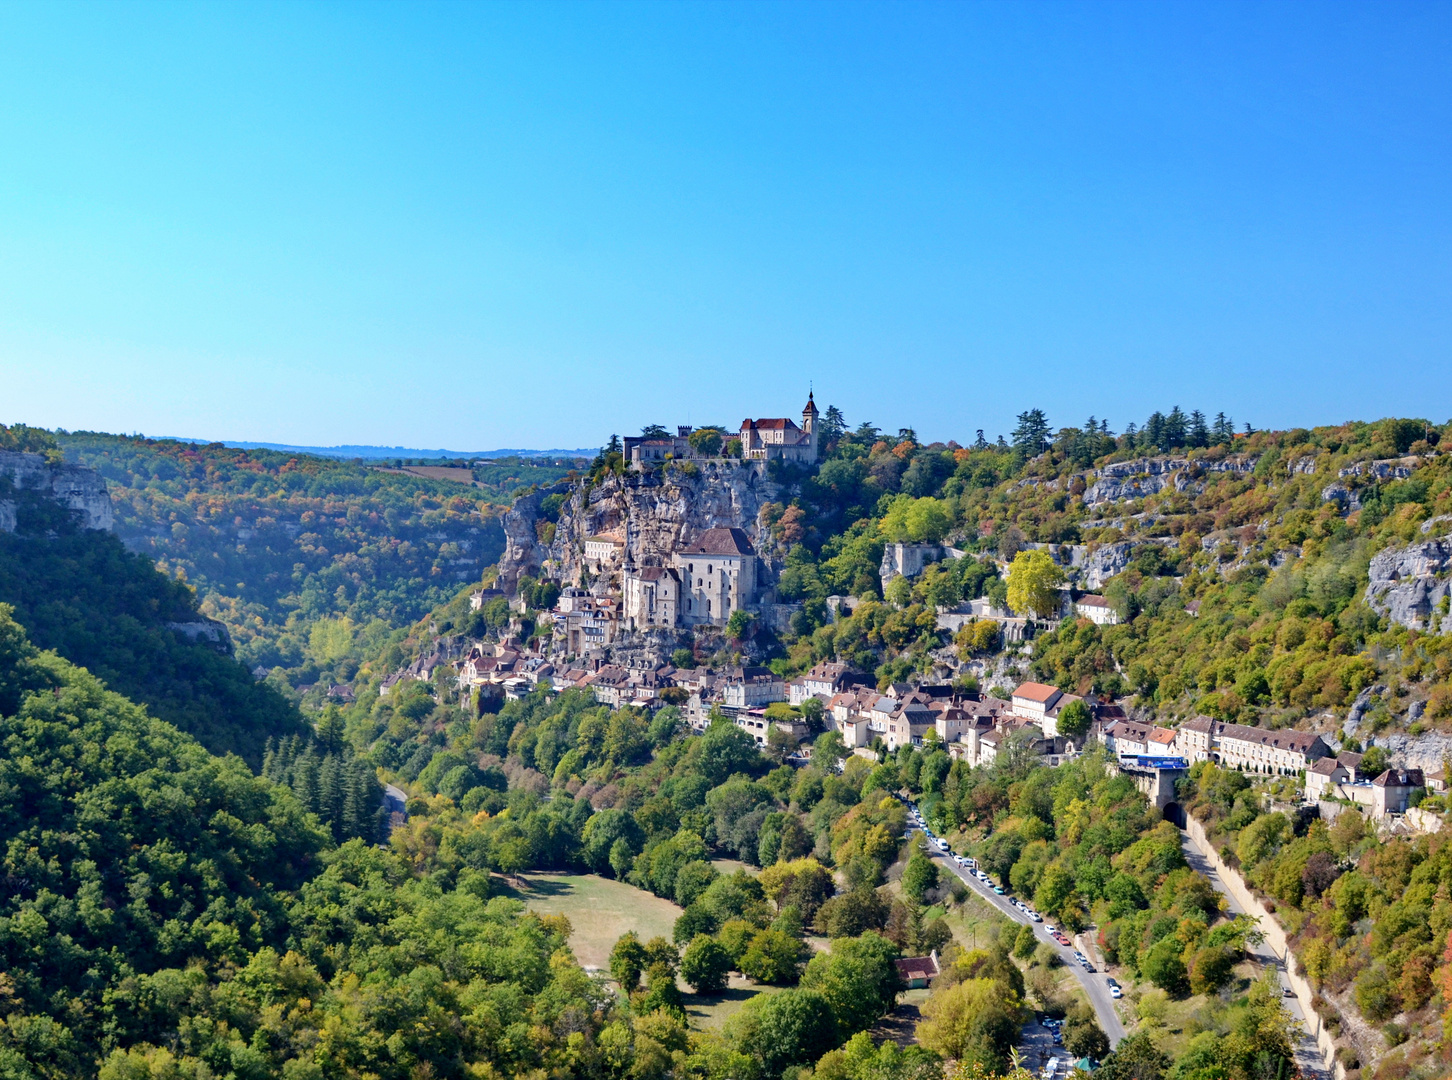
x=1050 y=929
x=1115 y=992
x=1034 y=916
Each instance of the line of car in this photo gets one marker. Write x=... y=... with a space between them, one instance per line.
x=971 y=865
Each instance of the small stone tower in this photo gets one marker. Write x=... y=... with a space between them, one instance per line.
x=809 y=424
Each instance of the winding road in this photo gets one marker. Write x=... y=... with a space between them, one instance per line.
x=1095 y=986
x=1308 y=1054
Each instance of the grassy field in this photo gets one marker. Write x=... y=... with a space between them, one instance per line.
x=711 y=1013
x=600 y=910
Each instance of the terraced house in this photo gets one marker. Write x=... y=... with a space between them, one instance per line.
x=1249 y=749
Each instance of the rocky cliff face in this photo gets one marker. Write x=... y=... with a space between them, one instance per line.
x=1149 y=476
x=1408 y=585
x=74 y=486
x=666 y=509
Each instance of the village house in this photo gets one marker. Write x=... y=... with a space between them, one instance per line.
x=603 y=552
x=480 y=597
x=1096 y=609
x=1162 y=742
x=1249 y=749
x=584 y=621
x=650 y=597
x=1031 y=700
x=1323 y=777
x=1437 y=782
x=751 y=687
x=1391 y=792
x=916 y=972
x=639 y=451
x=1128 y=737
x=824 y=680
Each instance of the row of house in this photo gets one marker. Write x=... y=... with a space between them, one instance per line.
x=1327 y=775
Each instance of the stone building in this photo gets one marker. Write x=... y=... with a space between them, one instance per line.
x=779 y=439
x=651 y=597
x=717 y=577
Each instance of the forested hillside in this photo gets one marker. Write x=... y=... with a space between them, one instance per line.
x=80 y=592
x=1238 y=564
x=309 y=561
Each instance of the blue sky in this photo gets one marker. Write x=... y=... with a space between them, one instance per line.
x=479 y=225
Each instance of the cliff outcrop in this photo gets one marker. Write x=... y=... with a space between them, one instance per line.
x=75 y=487
x=1409 y=584
x=1149 y=476
x=666 y=509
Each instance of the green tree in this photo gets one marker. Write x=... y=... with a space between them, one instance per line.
x=1074 y=721
x=1163 y=967
x=705 y=965
x=1031 y=436
x=705 y=441
x=1033 y=583
x=772 y=957
x=627 y=961
x=857 y=978
x=919 y=876
x=975 y=1022
x=792 y=1027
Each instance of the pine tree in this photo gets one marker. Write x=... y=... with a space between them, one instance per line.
x=1175 y=432
x=330 y=793
x=980 y=443
x=1032 y=434
x=1223 y=429
x=305 y=780
x=1199 y=434
x=1152 y=435
x=269 y=760
x=330 y=730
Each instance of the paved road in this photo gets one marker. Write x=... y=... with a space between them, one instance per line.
x=1308 y=1054
x=1094 y=985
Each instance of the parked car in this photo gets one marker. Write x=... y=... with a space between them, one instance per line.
x=1034 y=916
x=998 y=889
x=1115 y=992
x=1088 y=967
x=1051 y=930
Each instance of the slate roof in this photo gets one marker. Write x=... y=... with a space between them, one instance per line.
x=731 y=541
x=1400 y=778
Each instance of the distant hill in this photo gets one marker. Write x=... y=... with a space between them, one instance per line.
x=370 y=453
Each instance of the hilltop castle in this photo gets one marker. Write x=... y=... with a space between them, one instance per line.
x=770 y=439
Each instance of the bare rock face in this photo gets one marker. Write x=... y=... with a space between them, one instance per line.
x=1408 y=584
x=1137 y=479
x=80 y=489
x=666 y=509
x=1104 y=562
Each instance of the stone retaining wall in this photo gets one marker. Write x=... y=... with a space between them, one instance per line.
x=1275 y=937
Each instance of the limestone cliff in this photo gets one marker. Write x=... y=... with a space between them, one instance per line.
x=665 y=508
x=1410 y=584
x=1149 y=476
x=75 y=487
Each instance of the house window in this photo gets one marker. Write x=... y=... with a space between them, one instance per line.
x=708 y=607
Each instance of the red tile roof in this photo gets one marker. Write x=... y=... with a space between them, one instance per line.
x=1033 y=691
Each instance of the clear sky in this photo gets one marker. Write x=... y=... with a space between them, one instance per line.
x=480 y=225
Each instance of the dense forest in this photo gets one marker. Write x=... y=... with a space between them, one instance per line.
x=310 y=562
x=82 y=594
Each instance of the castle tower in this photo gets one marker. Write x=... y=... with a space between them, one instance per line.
x=809 y=424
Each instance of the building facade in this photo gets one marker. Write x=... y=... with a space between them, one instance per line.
x=717 y=577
